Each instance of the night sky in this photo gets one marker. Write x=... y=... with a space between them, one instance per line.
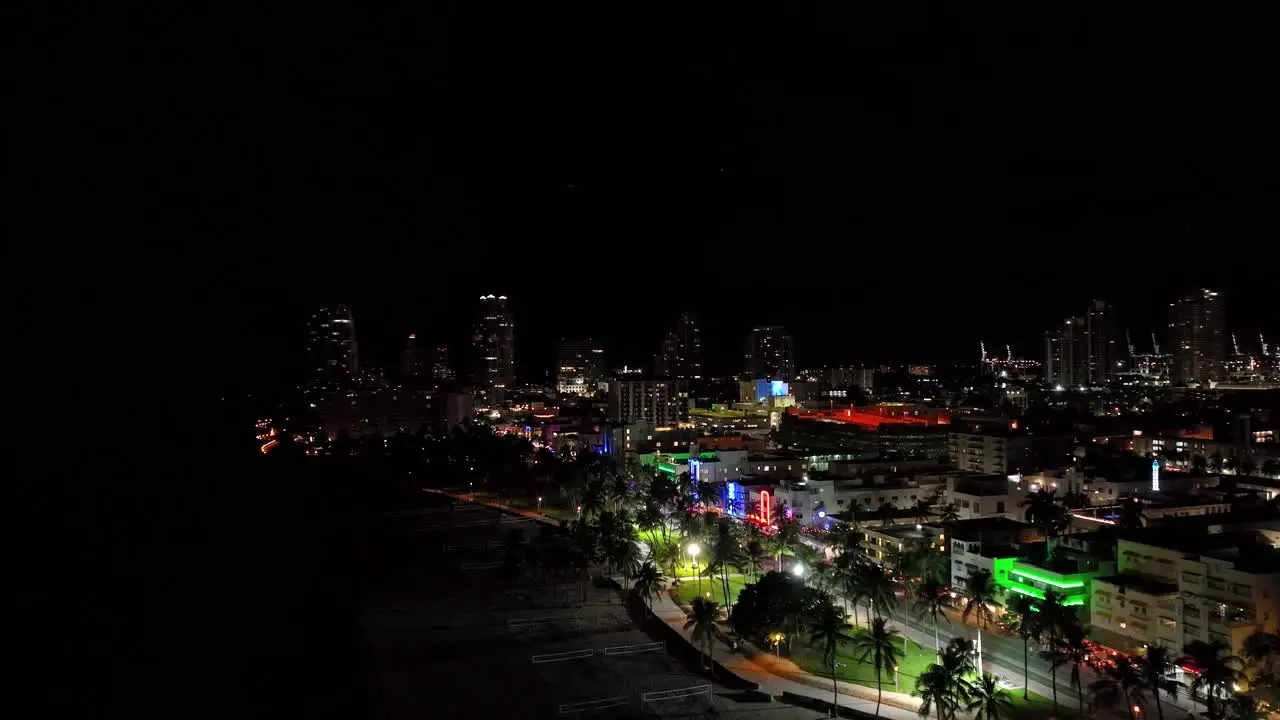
x=890 y=182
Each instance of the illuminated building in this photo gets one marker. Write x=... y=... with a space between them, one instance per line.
x=1101 y=343
x=662 y=403
x=887 y=430
x=770 y=353
x=333 y=362
x=1066 y=355
x=494 y=345
x=581 y=367
x=680 y=357
x=415 y=361
x=1198 y=330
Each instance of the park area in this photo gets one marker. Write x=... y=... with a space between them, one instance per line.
x=690 y=588
x=850 y=669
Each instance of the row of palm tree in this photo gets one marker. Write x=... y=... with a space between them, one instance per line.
x=945 y=687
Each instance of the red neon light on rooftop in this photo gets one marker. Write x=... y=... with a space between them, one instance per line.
x=871 y=417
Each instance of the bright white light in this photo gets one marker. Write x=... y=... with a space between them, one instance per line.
x=1058 y=388
x=694 y=550
x=797 y=570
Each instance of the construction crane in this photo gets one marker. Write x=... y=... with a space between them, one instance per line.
x=1235 y=346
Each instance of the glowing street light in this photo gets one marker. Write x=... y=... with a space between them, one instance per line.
x=776 y=638
x=798 y=570
x=539 y=503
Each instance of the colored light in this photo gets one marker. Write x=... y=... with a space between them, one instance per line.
x=766 y=508
x=1046 y=580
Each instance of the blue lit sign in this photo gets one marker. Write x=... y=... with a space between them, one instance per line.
x=694 y=463
x=778 y=388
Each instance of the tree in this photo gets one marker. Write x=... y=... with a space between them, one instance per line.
x=934 y=687
x=1075 y=652
x=725 y=553
x=1120 y=682
x=950 y=512
x=990 y=701
x=754 y=555
x=625 y=558
x=1217 y=669
x=1044 y=511
x=771 y=603
x=923 y=508
x=1261 y=648
x=980 y=592
x=829 y=628
x=702 y=623
x=1244 y=707
x=877 y=588
x=648 y=582
x=1154 y=669
x=888 y=513
x=931 y=600
x=784 y=541
x=1131 y=514
x=876 y=646
x=1026 y=624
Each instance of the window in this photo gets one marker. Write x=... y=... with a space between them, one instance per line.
x=1000 y=506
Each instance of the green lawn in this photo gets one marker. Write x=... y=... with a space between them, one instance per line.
x=689 y=589
x=863 y=673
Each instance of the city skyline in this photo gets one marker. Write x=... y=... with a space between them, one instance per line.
x=639 y=342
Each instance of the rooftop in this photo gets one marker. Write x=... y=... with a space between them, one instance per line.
x=1141 y=584
x=971 y=528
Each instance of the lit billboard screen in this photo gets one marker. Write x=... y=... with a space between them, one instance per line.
x=778 y=388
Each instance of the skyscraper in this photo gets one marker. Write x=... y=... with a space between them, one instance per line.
x=494 y=345
x=333 y=360
x=1103 y=348
x=1066 y=360
x=1198 y=329
x=415 y=368
x=769 y=353
x=581 y=366
x=680 y=356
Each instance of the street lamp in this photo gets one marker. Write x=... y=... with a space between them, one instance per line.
x=776 y=638
x=693 y=553
x=539 y=503
x=798 y=570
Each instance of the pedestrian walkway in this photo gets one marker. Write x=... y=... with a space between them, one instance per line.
x=776 y=677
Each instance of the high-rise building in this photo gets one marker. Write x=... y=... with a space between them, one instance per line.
x=662 y=403
x=1103 y=345
x=333 y=360
x=581 y=366
x=1066 y=354
x=680 y=356
x=494 y=345
x=440 y=367
x=1198 y=330
x=415 y=368
x=769 y=353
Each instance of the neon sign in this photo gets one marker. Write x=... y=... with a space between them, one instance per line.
x=766 y=506
x=1155 y=474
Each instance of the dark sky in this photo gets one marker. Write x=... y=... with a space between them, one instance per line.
x=890 y=181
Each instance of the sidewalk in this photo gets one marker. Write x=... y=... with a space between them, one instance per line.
x=778 y=676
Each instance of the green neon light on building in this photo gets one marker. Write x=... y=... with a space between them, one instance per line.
x=1030 y=592
x=1046 y=580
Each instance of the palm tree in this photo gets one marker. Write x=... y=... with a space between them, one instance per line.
x=785 y=540
x=1218 y=669
x=1261 y=649
x=754 y=555
x=990 y=701
x=935 y=688
x=829 y=629
x=1074 y=651
x=1044 y=511
x=980 y=593
x=625 y=557
x=931 y=599
x=876 y=646
x=1244 y=707
x=702 y=622
x=923 y=509
x=725 y=552
x=1120 y=682
x=1155 y=668
x=1026 y=623
x=1131 y=514
x=877 y=588
x=648 y=582
x=950 y=512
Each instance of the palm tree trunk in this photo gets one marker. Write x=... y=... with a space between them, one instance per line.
x=1079 y=691
x=879 y=692
x=1026 y=666
x=1053 y=670
x=937 y=644
x=835 y=690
